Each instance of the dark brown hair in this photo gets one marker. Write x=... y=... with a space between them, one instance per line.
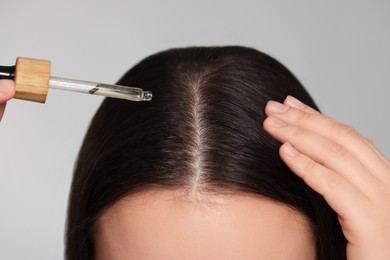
x=203 y=130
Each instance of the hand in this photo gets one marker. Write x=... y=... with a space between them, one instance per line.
x=7 y=91
x=341 y=165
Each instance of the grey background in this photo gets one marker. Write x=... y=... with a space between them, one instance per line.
x=338 y=49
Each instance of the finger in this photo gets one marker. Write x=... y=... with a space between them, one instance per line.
x=370 y=142
x=7 y=90
x=324 y=151
x=339 y=193
x=2 y=107
x=293 y=102
x=333 y=130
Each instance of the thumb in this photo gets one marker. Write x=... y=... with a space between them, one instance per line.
x=7 y=90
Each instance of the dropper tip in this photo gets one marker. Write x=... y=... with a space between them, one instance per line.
x=147 y=96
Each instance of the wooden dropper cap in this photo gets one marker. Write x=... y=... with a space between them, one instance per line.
x=32 y=78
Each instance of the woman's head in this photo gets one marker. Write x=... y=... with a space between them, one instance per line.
x=195 y=152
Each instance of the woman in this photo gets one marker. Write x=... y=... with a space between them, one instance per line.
x=195 y=174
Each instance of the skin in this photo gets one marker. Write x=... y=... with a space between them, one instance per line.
x=175 y=225
x=7 y=91
x=341 y=165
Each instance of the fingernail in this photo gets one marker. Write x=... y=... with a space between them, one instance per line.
x=275 y=122
x=276 y=107
x=293 y=102
x=290 y=150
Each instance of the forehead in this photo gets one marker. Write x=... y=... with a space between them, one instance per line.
x=163 y=225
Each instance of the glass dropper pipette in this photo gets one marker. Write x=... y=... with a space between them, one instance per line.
x=32 y=81
x=107 y=90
